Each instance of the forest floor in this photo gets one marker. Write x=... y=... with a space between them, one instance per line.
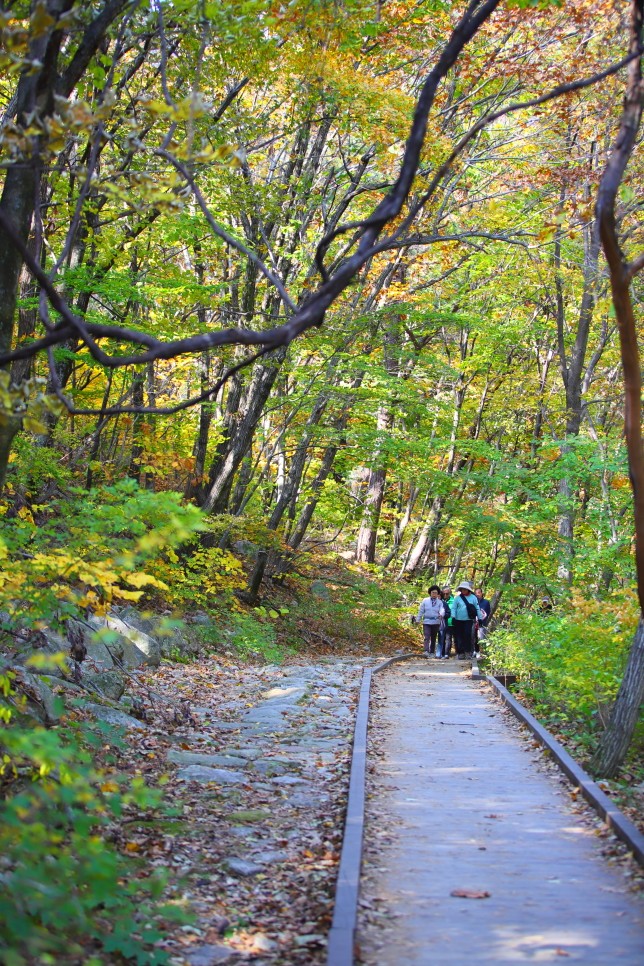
x=255 y=763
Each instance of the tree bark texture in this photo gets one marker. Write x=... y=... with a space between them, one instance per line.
x=615 y=740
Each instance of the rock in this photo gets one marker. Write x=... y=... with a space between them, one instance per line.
x=262 y=944
x=61 y=683
x=288 y=780
x=245 y=548
x=111 y=684
x=269 y=768
x=103 y=654
x=242 y=867
x=309 y=939
x=40 y=644
x=304 y=799
x=286 y=694
x=200 y=773
x=248 y=816
x=201 y=617
x=113 y=716
x=349 y=555
x=195 y=758
x=174 y=636
x=209 y=955
x=137 y=648
x=42 y=703
x=270 y=717
x=242 y=831
x=271 y=858
x=248 y=752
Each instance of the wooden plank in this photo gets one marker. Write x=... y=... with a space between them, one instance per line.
x=621 y=825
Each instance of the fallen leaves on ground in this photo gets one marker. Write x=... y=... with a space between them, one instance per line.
x=281 y=913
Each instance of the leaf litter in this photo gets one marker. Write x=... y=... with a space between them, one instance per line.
x=251 y=859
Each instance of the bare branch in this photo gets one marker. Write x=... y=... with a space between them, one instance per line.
x=222 y=233
x=635 y=267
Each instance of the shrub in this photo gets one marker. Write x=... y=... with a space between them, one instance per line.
x=63 y=888
x=88 y=550
x=570 y=662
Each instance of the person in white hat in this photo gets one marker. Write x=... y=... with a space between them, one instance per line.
x=465 y=610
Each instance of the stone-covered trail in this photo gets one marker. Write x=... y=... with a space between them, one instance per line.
x=256 y=763
x=461 y=801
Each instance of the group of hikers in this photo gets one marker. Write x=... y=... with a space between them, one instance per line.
x=459 y=619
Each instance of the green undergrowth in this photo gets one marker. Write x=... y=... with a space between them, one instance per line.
x=569 y=663
x=344 y=609
x=67 y=894
x=324 y=606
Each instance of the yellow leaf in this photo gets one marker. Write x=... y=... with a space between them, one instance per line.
x=33 y=425
x=128 y=594
x=142 y=580
x=41 y=21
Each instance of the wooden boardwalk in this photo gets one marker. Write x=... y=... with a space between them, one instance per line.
x=459 y=801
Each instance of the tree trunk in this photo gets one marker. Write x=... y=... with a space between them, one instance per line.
x=572 y=370
x=35 y=95
x=233 y=450
x=367 y=536
x=615 y=741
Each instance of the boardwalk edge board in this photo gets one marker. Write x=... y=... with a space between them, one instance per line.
x=341 y=940
x=623 y=828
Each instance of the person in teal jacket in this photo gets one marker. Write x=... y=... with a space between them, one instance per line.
x=464 y=617
x=446 y=633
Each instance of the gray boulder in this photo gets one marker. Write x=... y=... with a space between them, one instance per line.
x=210 y=955
x=210 y=761
x=41 y=703
x=113 y=716
x=203 y=773
x=173 y=636
x=30 y=643
x=245 y=548
x=137 y=647
x=111 y=684
x=60 y=683
x=242 y=867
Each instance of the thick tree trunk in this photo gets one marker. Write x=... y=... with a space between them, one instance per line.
x=35 y=96
x=9 y=426
x=614 y=742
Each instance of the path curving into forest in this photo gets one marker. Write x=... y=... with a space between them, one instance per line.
x=460 y=800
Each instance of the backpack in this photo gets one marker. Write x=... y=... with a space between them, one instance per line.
x=448 y=612
x=471 y=609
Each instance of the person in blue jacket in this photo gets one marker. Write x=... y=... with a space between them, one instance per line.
x=465 y=610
